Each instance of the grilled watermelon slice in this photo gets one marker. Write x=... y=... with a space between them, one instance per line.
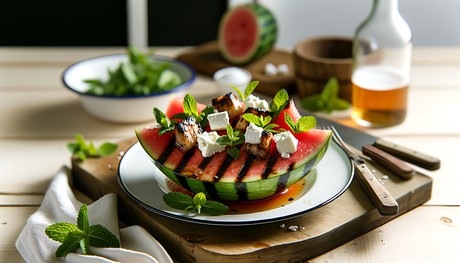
x=222 y=177
x=246 y=32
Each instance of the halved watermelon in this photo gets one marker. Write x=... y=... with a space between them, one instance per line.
x=246 y=32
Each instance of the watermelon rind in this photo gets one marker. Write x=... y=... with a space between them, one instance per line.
x=267 y=33
x=241 y=191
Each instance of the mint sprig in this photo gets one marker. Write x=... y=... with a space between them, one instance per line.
x=304 y=124
x=72 y=236
x=248 y=91
x=166 y=124
x=190 y=109
x=328 y=100
x=232 y=139
x=199 y=203
x=262 y=122
x=280 y=101
x=84 y=150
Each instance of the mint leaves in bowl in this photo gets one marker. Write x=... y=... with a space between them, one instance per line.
x=123 y=88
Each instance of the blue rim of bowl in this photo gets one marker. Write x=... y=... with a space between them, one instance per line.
x=181 y=87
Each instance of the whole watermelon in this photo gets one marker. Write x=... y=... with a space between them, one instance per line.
x=246 y=32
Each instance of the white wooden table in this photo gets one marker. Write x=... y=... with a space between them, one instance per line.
x=38 y=116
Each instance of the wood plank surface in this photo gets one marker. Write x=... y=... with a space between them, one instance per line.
x=348 y=217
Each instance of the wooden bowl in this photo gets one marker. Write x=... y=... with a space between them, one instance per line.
x=318 y=59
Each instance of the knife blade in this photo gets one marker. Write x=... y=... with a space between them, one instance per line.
x=358 y=139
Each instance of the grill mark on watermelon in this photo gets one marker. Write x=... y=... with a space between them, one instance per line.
x=183 y=181
x=210 y=188
x=184 y=161
x=241 y=191
x=271 y=162
x=205 y=163
x=164 y=155
x=282 y=182
x=242 y=173
x=223 y=168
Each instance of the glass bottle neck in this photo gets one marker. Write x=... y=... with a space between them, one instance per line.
x=385 y=7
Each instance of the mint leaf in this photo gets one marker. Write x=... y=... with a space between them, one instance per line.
x=180 y=115
x=59 y=231
x=233 y=152
x=107 y=148
x=224 y=140
x=328 y=100
x=84 y=244
x=214 y=208
x=199 y=200
x=99 y=236
x=189 y=106
x=82 y=150
x=290 y=122
x=177 y=200
x=340 y=104
x=240 y=94
x=331 y=90
x=230 y=131
x=250 y=88
x=312 y=103
x=306 y=123
x=279 y=102
x=71 y=242
x=73 y=147
x=204 y=115
x=161 y=118
x=82 y=219
x=252 y=118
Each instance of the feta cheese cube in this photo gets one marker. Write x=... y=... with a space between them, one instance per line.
x=255 y=102
x=207 y=143
x=283 y=69
x=218 y=121
x=270 y=69
x=253 y=134
x=286 y=143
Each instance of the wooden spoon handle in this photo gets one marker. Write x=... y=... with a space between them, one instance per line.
x=384 y=202
x=389 y=161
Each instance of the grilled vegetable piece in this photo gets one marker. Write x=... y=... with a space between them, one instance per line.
x=186 y=133
x=262 y=149
x=242 y=124
x=230 y=103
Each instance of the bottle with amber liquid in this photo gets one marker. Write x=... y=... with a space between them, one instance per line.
x=382 y=50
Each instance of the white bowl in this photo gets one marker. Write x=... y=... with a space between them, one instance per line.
x=238 y=77
x=122 y=109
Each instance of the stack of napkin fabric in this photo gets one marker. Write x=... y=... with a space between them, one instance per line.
x=60 y=205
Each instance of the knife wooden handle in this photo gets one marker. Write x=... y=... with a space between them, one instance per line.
x=389 y=161
x=408 y=155
x=384 y=202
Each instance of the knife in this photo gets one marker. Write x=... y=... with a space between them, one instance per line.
x=358 y=139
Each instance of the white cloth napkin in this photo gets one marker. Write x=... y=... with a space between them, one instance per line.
x=60 y=205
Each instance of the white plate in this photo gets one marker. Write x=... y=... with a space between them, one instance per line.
x=140 y=179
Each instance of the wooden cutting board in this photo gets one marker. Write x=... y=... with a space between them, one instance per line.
x=206 y=59
x=347 y=217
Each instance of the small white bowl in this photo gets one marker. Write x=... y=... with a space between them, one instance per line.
x=122 y=109
x=235 y=76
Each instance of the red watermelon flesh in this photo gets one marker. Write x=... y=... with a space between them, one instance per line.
x=292 y=111
x=241 y=31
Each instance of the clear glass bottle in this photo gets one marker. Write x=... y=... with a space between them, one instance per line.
x=382 y=50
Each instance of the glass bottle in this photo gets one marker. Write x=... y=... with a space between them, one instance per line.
x=382 y=50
